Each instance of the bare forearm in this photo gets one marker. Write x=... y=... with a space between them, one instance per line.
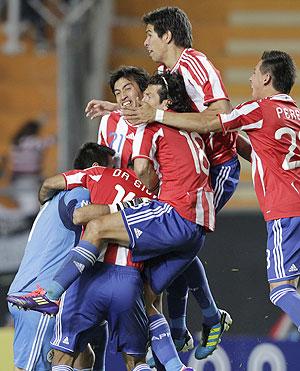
x=243 y=147
x=87 y=213
x=146 y=173
x=50 y=187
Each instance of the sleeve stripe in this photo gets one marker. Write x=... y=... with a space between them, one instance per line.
x=237 y=112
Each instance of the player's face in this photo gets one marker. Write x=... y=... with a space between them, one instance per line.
x=151 y=97
x=127 y=92
x=155 y=45
x=257 y=82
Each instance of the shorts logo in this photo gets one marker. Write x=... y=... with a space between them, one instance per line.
x=137 y=232
x=79 y=266
x=66 y=340
x=293 y=268
x=50 y=355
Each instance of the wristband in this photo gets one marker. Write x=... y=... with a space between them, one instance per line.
x=159 y=115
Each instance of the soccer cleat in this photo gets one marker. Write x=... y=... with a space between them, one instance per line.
x=184 y=344
x=211 y=336
x=36 y=300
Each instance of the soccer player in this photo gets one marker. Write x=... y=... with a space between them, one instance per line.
x=127 y=84
x=169 y=43
x=272 y=122
x=52 y=236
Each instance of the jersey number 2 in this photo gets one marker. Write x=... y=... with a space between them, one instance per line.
x=287 y=163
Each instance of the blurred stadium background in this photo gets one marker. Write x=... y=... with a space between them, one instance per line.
x=57 y=54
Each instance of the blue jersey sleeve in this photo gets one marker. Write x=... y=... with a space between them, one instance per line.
x=74 y=199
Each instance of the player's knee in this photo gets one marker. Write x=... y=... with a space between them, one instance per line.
x=94 y=228
x=133 y=361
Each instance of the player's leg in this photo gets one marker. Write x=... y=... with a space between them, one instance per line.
x=161 y=341
x=134 y=363
x=32 y=334
x=283 y=265
x=85 y=360
x=99 y=345
x=82 y=311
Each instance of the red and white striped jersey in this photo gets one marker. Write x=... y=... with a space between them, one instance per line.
x=273 y=128
x=109 y=186
x=117 y=133
x=180 y=162
x=204 y=85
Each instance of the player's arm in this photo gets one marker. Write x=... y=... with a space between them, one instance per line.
x=198 y=121
x=243 y=147
x=87 y=213
x=96 y=108
x=144 y=170
x=50 y=187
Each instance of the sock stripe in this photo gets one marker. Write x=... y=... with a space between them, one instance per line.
x=142 y=367
x=158 y=323
x=279 y=294
x=85 y=251
x=86 y=254
x=62 y=368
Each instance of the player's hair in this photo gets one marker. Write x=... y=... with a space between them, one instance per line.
x=137 y=74
x=92 y=152
x=282 y=69
x=172 y=87
x=174 y=20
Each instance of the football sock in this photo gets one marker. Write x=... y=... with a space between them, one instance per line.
x=142 y=367
x=287 y=298
x=79 y=258
x=162 y=344
x=198 y=284
x=84 y=369
x=62 y=368
x=177 y=294
x=158 y=365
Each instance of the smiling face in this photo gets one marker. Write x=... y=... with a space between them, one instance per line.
x=156 y=46
x=258 y=82
x=126 y=92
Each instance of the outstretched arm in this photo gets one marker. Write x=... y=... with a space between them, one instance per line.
x=199 y=122
x=96 y=108
x=243 y=147
x=51 y=186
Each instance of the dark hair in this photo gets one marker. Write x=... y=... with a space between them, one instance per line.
x=31 y=127
x=139 y=75
x=282 y=69
x=173 y=88
x=174 y=20
x=90 y=153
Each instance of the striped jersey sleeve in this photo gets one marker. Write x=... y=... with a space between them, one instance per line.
x=247 y=116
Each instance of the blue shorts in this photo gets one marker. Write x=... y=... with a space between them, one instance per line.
x=32 y=335
x=224 y=180
x=283 y=249
x=155 y=228
x=105 y=292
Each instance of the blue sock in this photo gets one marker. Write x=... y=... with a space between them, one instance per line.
x=62 y=368
x=142 y=367
x=162 y=344
x=287 y=298
x=177 y=295
x=198 y=284
x=79 y=258
x=83 y=369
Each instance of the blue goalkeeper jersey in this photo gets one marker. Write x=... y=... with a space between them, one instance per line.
x=52 y=236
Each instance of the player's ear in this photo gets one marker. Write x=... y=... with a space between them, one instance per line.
x=167 y=37
x=165 y=104
x=267 y=79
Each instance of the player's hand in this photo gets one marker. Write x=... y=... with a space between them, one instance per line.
x=97 y=108
x=139 y=115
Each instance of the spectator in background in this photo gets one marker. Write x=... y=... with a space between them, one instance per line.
x=26 y=155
